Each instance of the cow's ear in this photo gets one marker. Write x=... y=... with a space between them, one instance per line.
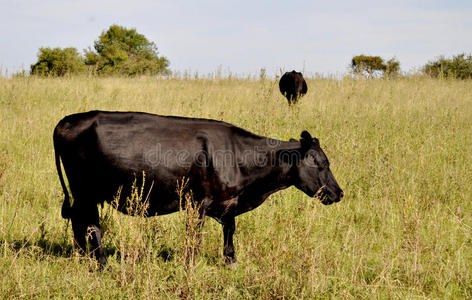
x=306 y=139
x=316 y=142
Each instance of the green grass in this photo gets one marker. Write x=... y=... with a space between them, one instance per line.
x=400 y=149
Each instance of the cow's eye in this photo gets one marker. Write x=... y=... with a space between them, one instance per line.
x=311 y=161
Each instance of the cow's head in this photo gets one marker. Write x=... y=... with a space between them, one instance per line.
x=313 y=174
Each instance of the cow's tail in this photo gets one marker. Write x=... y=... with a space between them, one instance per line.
x=66 y=210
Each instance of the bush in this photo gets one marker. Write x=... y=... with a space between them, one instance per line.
x=58 y=62
x=392 y=68
x=459 y=66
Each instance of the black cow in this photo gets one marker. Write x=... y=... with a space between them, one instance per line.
x=292 y=85
x=230 y=170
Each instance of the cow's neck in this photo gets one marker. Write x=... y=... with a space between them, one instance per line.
x=276 y=174
x=264 y=181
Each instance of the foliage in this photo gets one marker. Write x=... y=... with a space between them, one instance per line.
x=367 y=64
x=370 y=65
x=125 y=52
x=400 y=149
x=392 y=68
x=459 y=66
x=58 y=62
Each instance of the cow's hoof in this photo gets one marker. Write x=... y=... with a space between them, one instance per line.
x=102 y=261
x=232 y=266
x=230 y=262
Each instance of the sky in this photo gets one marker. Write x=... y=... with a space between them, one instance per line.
x=244 y=36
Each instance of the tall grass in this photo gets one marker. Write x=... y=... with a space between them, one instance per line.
x=400 y=149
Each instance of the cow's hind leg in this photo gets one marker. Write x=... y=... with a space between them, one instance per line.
x=228 y=250
x=85 y=224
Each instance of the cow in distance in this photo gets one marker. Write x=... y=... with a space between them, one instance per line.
x=292 y=85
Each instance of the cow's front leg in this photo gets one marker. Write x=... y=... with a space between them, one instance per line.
x=228 y=250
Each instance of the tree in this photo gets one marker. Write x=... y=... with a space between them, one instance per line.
x=124 y=51
x=370 y=65
x=367 y=65
x=58 y=62
x=459 y=66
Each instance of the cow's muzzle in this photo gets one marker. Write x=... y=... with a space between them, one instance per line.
x=325 y=198
x=322 y=195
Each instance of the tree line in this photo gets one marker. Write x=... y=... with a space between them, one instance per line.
x=125 y=52
x=117 y=51
x=459 y=66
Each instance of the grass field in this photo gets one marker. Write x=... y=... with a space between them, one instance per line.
x=400 y=149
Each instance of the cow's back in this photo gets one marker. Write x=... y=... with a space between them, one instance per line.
x=102 y=151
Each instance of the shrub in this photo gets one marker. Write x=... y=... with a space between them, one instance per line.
x=459 y=66
x=392 y=68
x=58 y=62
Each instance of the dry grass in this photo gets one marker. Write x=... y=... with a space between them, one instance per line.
x=400 y=149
